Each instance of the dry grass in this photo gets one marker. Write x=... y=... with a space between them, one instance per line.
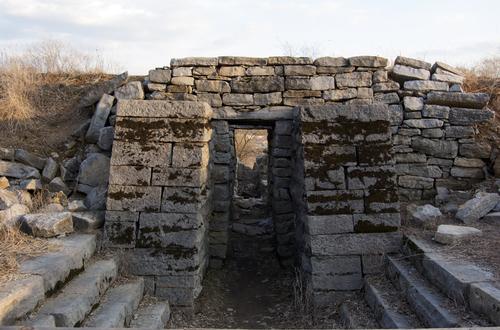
x=39 y=89
x=485 y=77
x=16 y=246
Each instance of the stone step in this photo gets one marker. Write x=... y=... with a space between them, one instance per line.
x=117 y=306
x=77 y=298
x=151 y=316
x=56 y=267
x=432 y=308
x=43 y=275
x=356 y=314
x=453 y=277
x=389 y=305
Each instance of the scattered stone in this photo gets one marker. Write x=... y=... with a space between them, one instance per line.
x=50 y=170
x=450 y=234
x=7 y=199
x=107 y=87
x=11 y=215
x=106 y=135
x=31 y=184
x=131 y=91
x=424 y=214
x=47 y=224
x=70 y=168
x=476 y=208
x=94 y=170
x=52 y=208
x=99 y=118
x=493 y=218
x=96 y=198
x=57 y=184
x=7 y=154
x=4 y=183
x=30 y=159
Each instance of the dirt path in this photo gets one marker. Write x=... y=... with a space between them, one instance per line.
x=251 y=293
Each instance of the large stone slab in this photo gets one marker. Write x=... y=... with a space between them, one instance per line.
x=256 y=84
x=20 y=297
x=436 y=148
x=485 y=299
x=464 y=116
x=425 y=85
x=141 y=154
x=354 y=79
x=404 y=73
x=133 y=198
x=368 y=61
x=414 y=63
x=349 y=244
x=194 y=61
x=163 y=109
x=461 y=100
x=130 y=91
x=477 y=207
x=30 y=159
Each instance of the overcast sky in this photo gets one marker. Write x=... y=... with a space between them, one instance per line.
x=142 y=34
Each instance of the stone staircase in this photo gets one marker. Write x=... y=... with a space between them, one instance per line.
x=72 y=287
x=422 y=289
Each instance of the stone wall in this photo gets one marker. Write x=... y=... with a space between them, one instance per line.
x=345 y=190
x=158 y=197
x=349 y=138
x=432 y=119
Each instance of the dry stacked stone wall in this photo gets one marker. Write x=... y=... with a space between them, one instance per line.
x=345 y=184
x=350 y=137
x=158 y=202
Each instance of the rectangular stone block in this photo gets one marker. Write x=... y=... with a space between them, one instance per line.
x=329 y=224
x=130 y=175
x=212 y=86
x=133 y=198
x=373 y=177
x=190 y=155
x=354 y=79
x=257 y=84
x=340 y=94
x=179 y=177
x=382 y=200
x=300 y=70
x=194 y=61
x=164 y=261
x=289 y=60
x=237 y=99
x=268 y=99
x=332 y=264
x=335 y=202
x=321 y=177
x=231 y=71
x=329 y=155
x=355 y=244
x=119 y=234
x=137 y=153
x=123 y=216
x=241 y=60
x=163 y=109
x=183 y=200
x=374 y=154
x=376 y=223
x=162 y=130
x=260 y=71
x=164 y=230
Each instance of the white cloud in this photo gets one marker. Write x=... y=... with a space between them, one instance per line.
x=145 y=34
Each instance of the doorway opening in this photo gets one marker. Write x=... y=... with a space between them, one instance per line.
x=252 y=229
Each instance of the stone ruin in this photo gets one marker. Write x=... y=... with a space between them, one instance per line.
x=349 y=139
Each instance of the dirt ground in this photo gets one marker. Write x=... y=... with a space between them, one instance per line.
x=251 y=293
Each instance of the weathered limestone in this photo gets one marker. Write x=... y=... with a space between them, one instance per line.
x=477 y=207
x=461 y=100
x=448 y=234
x=47 y=224
x=99 y=118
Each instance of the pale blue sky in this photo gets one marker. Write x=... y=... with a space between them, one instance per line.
x=143 y=34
